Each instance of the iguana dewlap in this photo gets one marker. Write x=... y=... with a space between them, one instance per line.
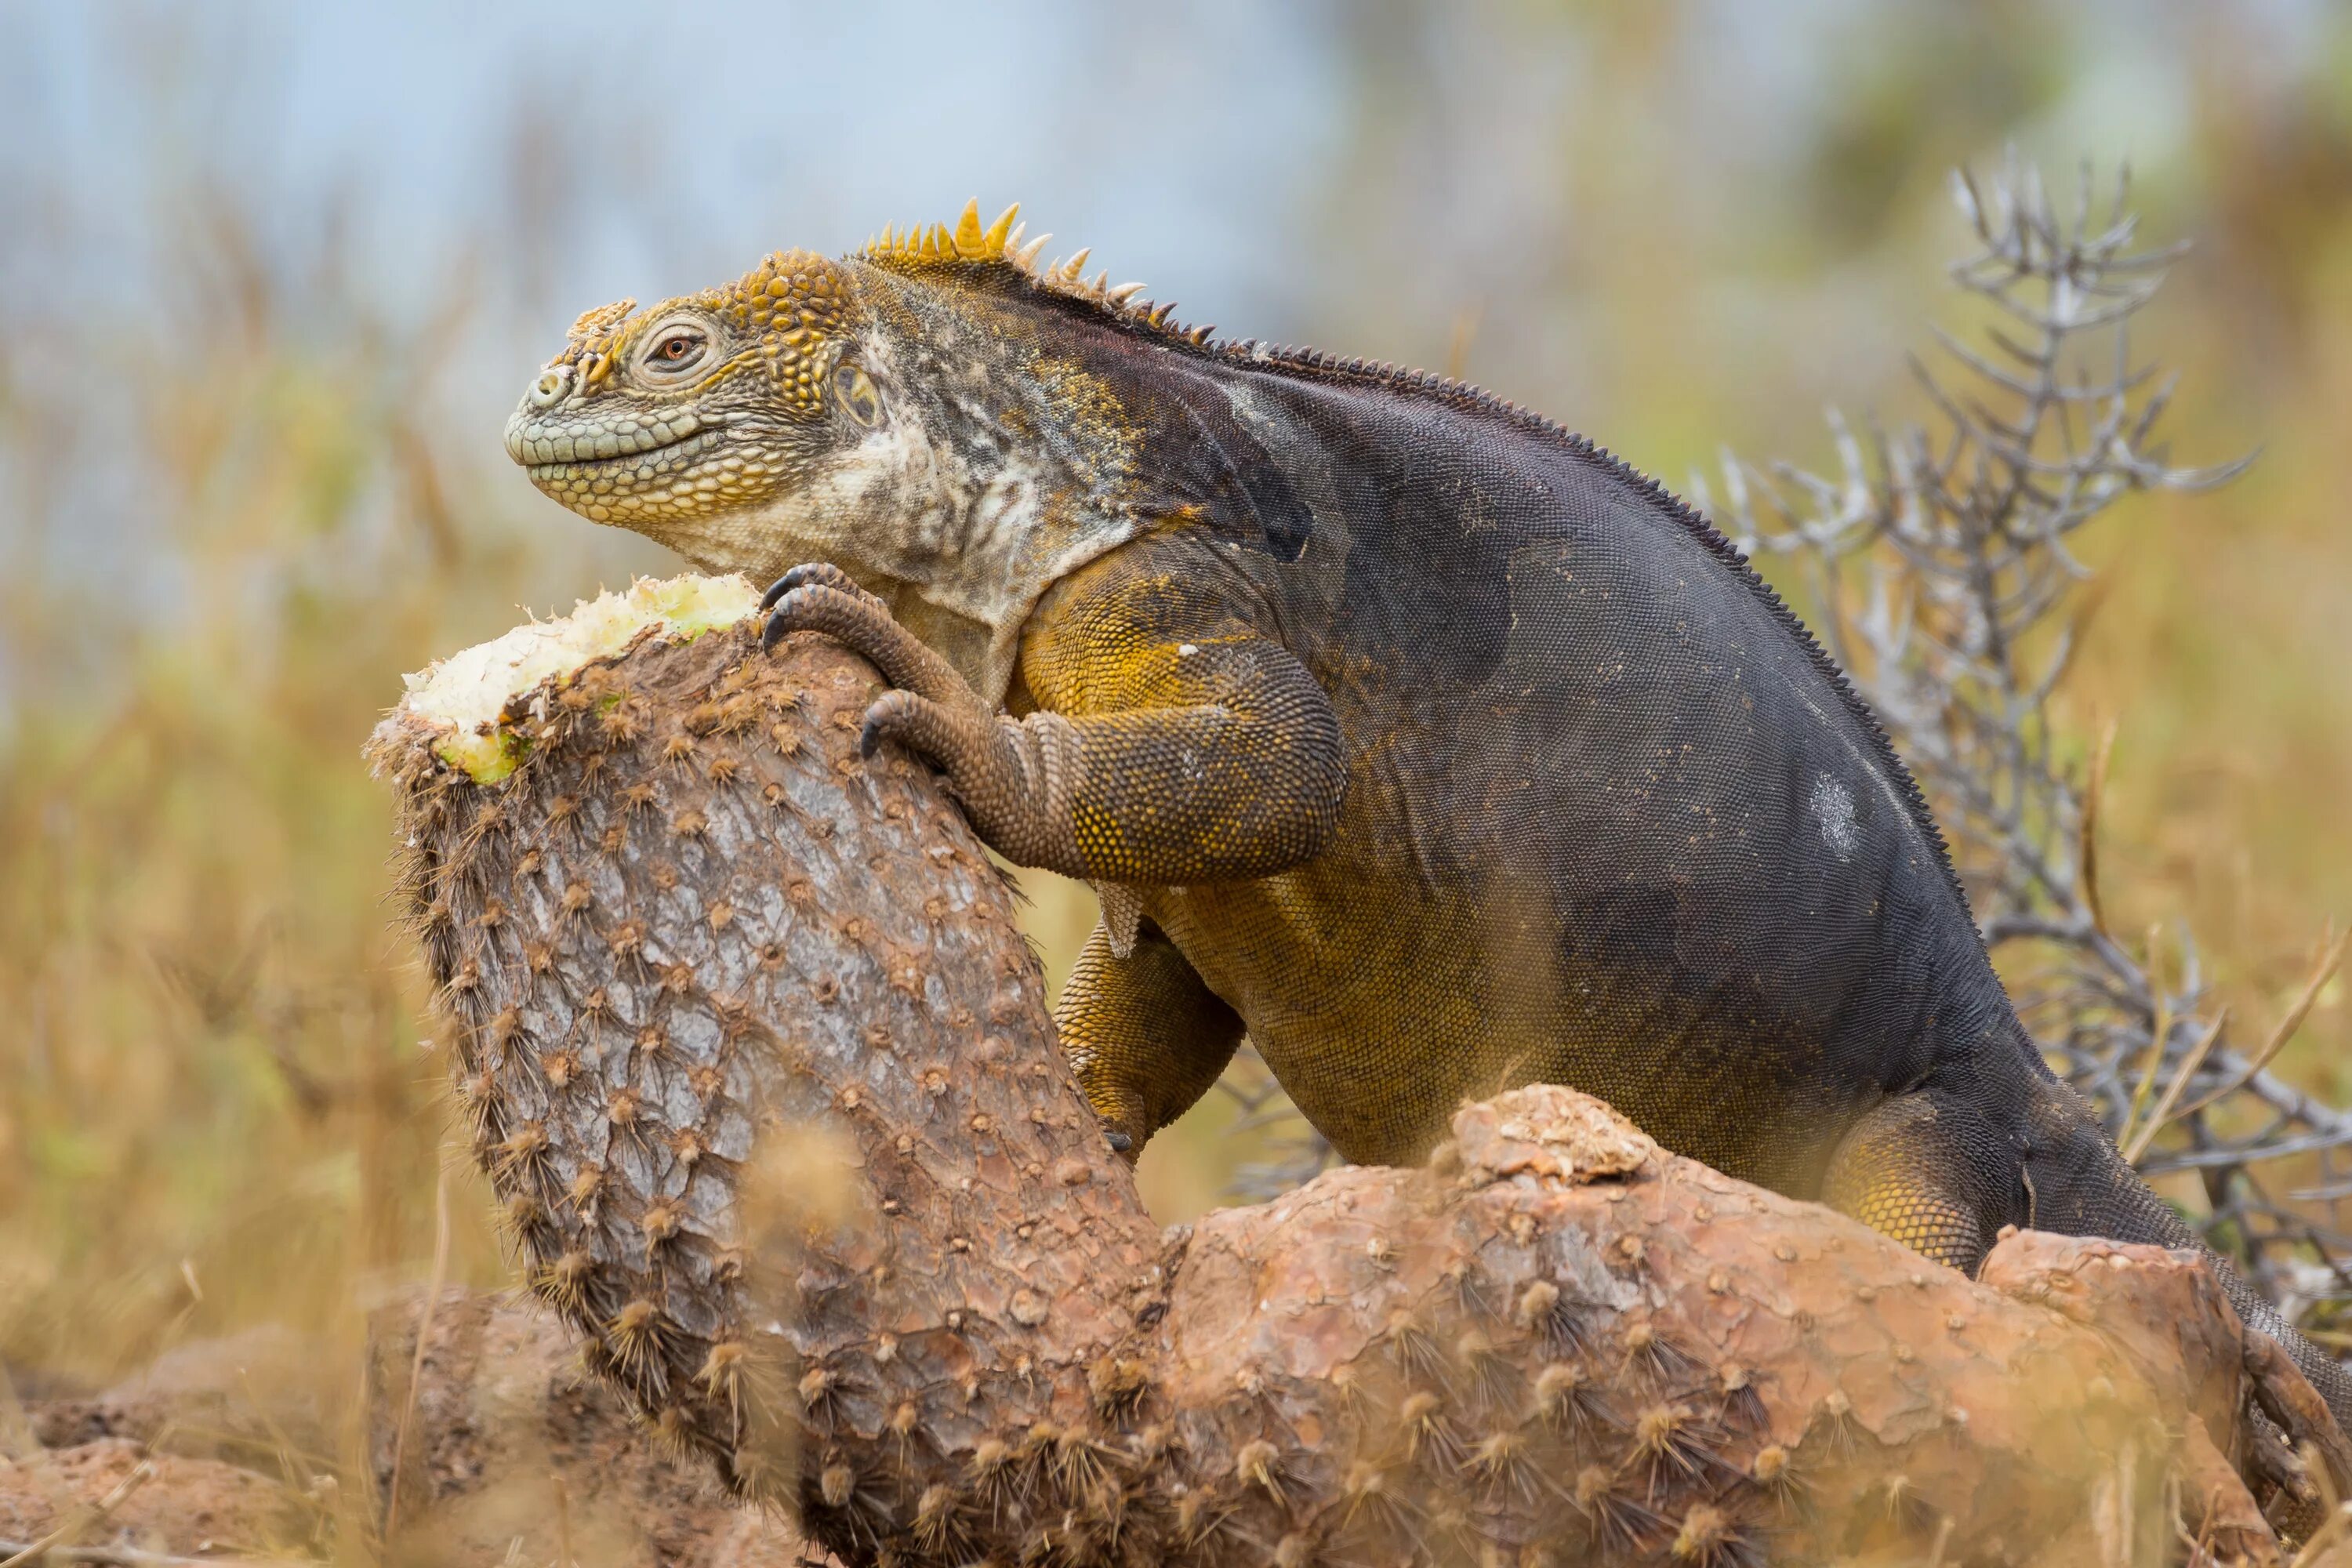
x=1423 y=742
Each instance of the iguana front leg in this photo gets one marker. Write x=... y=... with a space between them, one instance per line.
x=1175 y=746
x=1015 y=778
x=1174 y=743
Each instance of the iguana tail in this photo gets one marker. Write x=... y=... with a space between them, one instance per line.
x=2082 y=1185
x=1940 y=1171
x=2138 y=1214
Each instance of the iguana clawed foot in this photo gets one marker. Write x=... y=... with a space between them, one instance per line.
x=820 y=597
x=1015 y=778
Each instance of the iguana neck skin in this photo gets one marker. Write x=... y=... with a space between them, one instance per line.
x=1423 y=741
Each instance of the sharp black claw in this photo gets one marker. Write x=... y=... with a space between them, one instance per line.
x=800 y=576
x=1119 y=1142
x=774 y=632
x=869 y=740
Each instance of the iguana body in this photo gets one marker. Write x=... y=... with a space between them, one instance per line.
x=1419 y=740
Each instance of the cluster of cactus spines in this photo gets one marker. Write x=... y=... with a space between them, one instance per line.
x=666 y=1006
x=757 y=1064
x=1542 y=1434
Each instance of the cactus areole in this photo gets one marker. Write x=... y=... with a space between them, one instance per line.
x=756 y=1061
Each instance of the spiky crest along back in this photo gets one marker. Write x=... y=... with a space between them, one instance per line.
x=1000 y=247
x=998 y=250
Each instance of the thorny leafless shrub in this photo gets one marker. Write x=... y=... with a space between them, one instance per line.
x=1294 y=1152
x=1936 y=564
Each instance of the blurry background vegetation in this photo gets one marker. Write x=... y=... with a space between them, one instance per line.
x=271 y=276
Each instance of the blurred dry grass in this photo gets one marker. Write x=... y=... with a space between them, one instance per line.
x=216 y=1107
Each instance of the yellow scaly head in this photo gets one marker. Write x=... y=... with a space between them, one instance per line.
x=713 y=402
x=705 y=403
x=936 y=413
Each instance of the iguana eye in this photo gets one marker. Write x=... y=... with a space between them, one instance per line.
x=858 y=399
x=674 y=349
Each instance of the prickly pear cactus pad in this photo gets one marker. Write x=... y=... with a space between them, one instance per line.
x=722 y=993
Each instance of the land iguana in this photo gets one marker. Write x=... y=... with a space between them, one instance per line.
x=1423 y=742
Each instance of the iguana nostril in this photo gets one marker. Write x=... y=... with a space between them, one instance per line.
x=550 y=388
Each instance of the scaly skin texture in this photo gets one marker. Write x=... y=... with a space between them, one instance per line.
x=1423 y=741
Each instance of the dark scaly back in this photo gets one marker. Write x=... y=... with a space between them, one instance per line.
x=1463 y=395
x=1145 y=324
x=996 y=260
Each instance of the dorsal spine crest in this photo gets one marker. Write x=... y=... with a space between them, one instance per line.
x=1000 y=243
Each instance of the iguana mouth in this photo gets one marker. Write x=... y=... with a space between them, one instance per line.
x=643 y=471
x=644 y=461
x=598 y=445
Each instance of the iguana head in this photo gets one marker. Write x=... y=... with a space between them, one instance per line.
x=932 y=414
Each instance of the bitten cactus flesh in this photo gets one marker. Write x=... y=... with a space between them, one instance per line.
x=460 y=701
x=758 y=1063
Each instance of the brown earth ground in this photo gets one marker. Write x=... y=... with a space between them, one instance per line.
x=511 y=1455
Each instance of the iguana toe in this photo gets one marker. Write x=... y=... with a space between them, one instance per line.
x=822 y=573
x=849 y=615
x=903 y=716
x=863 y=624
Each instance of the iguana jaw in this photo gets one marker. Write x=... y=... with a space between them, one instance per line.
x=597 y=441
x=609 y=489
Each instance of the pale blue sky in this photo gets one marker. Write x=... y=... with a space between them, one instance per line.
x=1198 y=137
x=690 y=139
x=1366 y=174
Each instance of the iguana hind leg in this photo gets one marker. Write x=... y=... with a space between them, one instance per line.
x=1910 y=1169
x=1144 y=1036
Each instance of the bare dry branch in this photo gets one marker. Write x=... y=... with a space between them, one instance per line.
x=1958 y=532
